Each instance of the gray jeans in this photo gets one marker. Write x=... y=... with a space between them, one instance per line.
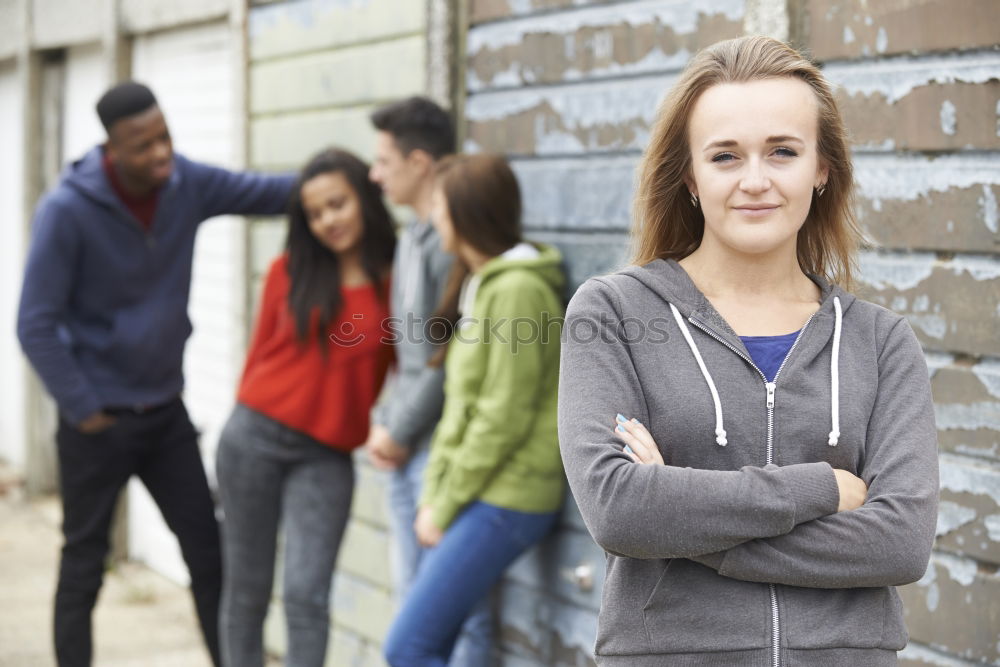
x=270 y=473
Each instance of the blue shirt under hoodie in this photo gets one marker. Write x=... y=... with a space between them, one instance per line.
x=103 y=313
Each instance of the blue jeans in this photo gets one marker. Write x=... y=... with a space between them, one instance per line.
x=475 y=644
x=456 y=575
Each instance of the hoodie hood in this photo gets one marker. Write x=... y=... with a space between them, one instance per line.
x=545 y=262
x=672 y=283
x=87 y=177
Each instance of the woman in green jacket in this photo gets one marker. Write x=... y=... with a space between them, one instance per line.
x=494 y=483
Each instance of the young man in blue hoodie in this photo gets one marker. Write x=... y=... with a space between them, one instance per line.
x=103 y=320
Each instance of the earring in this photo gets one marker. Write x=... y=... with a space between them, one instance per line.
x=821 y=189
x=694 y=200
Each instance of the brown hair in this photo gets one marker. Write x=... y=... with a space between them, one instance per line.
x=484 y=203
x=667 y=226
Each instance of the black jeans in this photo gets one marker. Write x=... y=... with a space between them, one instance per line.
x=161 y=447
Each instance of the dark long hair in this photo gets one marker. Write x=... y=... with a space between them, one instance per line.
x=314 y=269
x=484 y=203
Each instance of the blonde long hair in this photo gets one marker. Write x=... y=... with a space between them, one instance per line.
x=667 y=226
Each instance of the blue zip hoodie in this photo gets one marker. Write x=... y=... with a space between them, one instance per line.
x=103 y=313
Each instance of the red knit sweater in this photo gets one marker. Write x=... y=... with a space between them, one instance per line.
x=327 y=398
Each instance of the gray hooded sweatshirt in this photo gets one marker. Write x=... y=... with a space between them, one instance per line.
x=733 y=552
x=415 y=397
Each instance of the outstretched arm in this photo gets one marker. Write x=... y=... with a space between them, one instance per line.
x=225 y=192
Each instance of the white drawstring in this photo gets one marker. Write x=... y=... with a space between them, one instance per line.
x=835 y=376
x=720 y=432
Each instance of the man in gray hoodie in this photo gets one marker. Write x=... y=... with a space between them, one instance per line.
x=412 y=135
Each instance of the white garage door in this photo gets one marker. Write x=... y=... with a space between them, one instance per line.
x=192 y=72
x=13 y=435
x=86 y=81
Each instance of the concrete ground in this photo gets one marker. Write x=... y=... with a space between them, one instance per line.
x=142 y=619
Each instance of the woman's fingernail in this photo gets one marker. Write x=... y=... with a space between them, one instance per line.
x=620 y=428
x=620 y=417
x=637 y=421
x=628 y=450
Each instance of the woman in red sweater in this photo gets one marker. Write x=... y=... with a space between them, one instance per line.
x=315 y=367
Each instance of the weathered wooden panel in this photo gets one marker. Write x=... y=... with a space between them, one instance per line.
x=371 y=492
x=918 y=655
x=363 y=74
x=568 y=565
x=362 y=608
x=936 y=117
x=967 y=406
x=138 y=16
x=603 y=41
x=969 y=518
x=347 y=648
x=609 y=116
x=947 y=203
x=587 y=255
x=956 y=608
x=952 y=305
x=539 y=628
x=929 y=103
x=364 y=553
x=577 y=193
x=10 y=29
x=288 y=140
x=853 y=28
x=312 y=25
x=488 y=10
x=57 y=23
x=267 y=241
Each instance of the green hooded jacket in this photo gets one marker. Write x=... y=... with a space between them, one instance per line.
x=497 y=439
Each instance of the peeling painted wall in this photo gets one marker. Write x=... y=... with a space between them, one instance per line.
x=919 y=84
x=568 y=89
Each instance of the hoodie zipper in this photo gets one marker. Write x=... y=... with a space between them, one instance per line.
x=770 y=388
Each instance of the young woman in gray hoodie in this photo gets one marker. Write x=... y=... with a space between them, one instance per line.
x=753 y=447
